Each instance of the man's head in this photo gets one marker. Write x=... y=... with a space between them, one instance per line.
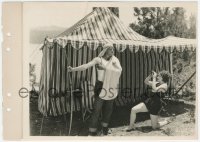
x=108 y=50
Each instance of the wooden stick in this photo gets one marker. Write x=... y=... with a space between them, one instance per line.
x=71 y=107
x=171 y=71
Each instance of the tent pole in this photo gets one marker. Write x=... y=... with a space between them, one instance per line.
x=71 y=104
x=171 y=71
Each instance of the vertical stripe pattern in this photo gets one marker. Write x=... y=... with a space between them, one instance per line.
x=54 y=83
x=82 y=42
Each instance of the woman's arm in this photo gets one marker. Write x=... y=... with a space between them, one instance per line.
x=160 y=88
x=85 y=66
x=154 y=81
x=147 y=80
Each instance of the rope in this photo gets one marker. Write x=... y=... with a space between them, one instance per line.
x=185 y=83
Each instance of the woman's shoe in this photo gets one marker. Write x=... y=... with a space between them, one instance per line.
x=171 y=119
x=129 y=129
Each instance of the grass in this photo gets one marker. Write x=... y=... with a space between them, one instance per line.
x=183 y=125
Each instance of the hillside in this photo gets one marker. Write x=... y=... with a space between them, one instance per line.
x=184 y=65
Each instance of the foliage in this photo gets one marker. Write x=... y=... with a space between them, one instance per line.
x=184 y=65
x=192 y=28
x=157 y=22
x=32 y=74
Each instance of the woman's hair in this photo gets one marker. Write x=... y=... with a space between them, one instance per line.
x=165 y=75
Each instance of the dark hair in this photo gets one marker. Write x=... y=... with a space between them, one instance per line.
x=165 y=75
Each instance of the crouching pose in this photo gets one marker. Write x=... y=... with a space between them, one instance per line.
x=153 y=103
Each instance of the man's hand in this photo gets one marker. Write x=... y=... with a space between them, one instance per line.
x=70 y=69
x=114 y=63
x=101 y=67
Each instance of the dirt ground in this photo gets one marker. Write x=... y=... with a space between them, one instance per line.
x=183 y=125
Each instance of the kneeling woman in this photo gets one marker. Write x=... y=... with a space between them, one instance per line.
x=153 y=103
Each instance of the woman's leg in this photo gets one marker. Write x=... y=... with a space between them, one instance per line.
x=154 y=121
x=155 y=124
x=141 y=107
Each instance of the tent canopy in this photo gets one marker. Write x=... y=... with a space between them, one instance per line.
x=73 y=47
x=102 y=26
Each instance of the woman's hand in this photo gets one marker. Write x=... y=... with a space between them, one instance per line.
x=154 y=74
x=70 y=69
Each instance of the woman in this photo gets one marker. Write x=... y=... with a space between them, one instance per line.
x=153 y=103
x=107 y=66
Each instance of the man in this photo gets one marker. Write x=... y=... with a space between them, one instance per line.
x=105 y=90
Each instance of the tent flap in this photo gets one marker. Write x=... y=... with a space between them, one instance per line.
x=121 y=45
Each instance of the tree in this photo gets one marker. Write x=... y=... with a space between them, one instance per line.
x=32 y=74
x=32 y=79
x=178 y=23
x=157 y=22
x=192 y=27
x=151 y=21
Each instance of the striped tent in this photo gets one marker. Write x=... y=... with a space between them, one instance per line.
x=82 y=42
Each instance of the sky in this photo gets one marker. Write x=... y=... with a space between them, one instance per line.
x=65 y=14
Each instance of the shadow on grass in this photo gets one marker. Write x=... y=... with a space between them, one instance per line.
x=121 y=115
x=59 y=126
x=146 y=129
